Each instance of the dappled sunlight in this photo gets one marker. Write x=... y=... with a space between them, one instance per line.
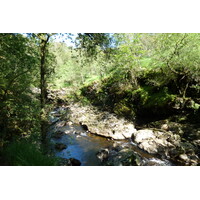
x=121 y=99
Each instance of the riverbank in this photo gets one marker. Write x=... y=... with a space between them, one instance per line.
x=88 y=135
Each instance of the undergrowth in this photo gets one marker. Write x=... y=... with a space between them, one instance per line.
x=24 y=153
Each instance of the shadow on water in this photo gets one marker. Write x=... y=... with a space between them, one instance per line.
x=81 y=145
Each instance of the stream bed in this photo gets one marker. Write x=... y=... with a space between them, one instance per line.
x=79 y=144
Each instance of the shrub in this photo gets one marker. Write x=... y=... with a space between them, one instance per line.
x=25 y=154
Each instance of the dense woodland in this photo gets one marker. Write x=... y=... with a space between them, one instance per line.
x=149 y=79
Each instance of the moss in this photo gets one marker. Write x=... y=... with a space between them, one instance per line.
x=160 y=99
x=150 y=97
x=124 y=99
x=123 y=109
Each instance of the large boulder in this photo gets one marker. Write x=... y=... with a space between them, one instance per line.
x=118 y=157
x=116 y=131
x=101 y=123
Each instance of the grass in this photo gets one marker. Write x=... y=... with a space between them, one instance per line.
x=24 y=153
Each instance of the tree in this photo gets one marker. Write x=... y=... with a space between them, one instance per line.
x=18 y=69
x=43 y=48
x=128 y=56
x=177 y=55
x=89 y=42
x=25 y=62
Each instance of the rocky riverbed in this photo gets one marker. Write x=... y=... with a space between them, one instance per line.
x=86 y=136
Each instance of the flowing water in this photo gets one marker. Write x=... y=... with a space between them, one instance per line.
x=84 y=146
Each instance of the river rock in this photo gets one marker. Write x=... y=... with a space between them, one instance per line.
x=143 y=135
x=103 y=154
x=60 y=146
x=166 y=144
x=74 y=162
x=101 y=122
x=184 y=157
x=154 y=141
x=124 y=157
x=69 y=162
x=58 y=134
x=115 y=131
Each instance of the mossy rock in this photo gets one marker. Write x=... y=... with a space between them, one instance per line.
x=123 y=158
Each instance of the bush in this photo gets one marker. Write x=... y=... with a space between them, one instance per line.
x=25 y=154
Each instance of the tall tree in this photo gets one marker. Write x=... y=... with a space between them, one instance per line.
x=43 y=47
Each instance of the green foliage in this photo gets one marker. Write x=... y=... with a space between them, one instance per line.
x=89 y=42
x=18 y=72
x=128 y=74
x=158 y=99
x=74 y=69
x=127 y=58
x=178 y=57
x=26 y=154
x=145 y=73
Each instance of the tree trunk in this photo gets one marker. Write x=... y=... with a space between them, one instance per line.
x=43 y=86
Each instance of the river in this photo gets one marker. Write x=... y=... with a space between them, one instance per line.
x=84 y=146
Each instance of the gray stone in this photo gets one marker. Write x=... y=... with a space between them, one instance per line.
x=154 y=141
x=103 y=154
x=101 y=123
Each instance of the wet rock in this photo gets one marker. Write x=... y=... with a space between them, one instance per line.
x=74 y=162
x=103 y=154
x=58 y=134
x=69 y=162
x=64 y=162
x=118 y=157
x=125 y=157
x=60 y=146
